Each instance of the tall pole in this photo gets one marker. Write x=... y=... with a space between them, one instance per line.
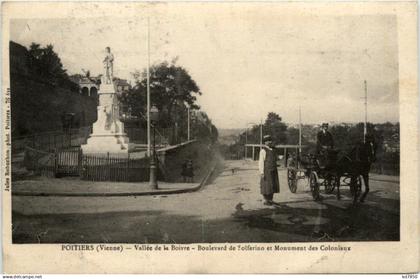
x=300 y=131
x=148 y=87
x=153 y=163
x=261 y=133
x=365 y=124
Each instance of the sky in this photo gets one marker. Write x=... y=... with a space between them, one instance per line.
x=246 y=62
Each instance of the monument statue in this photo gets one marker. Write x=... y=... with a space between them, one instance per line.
x=108 y=131
x=108 y=66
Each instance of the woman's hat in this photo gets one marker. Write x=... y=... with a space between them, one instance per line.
x=267 y=138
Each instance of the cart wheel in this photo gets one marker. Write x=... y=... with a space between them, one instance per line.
x=313 y=183
x=292 y=180
x=330 y=185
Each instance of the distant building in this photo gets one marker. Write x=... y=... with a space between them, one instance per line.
x=122 y=85
x=89 y=86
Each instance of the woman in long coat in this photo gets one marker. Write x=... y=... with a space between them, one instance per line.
x=269 y=182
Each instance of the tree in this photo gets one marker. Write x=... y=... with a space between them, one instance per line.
x=273 y=126
x=171 y=86
x=293 y=136
x=51 y=66
x=346 y=136
x=172 y=90
x=34 y=55
x=42 y=91
x=45 y=65
x=133 y=102
x=202 y=127
x=276 y=128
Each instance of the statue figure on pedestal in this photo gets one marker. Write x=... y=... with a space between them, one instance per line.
x=108 y=66
x=108 y=131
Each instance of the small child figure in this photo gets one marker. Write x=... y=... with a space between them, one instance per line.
x=184 y=171
x=190 y=171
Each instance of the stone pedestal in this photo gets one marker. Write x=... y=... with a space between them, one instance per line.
x=108 y=131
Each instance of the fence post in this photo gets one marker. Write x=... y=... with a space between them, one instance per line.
x=55 y=162
x=109 y=167
x=127 y=170
x=80 y=162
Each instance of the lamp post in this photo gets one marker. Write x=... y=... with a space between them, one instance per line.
x=246 y=139
x=154 y=117
x=178 y=103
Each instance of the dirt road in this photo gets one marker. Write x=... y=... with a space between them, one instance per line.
x=229 y=209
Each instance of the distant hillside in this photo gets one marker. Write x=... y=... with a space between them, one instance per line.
x=229 y=136
x=41 y=92
x=230 y=132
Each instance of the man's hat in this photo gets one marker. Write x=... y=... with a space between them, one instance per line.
x=267 y=138
x=325 y=124
x=370 y=137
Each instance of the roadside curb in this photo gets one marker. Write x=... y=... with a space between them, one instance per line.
x=119 y=194
x=385 y=180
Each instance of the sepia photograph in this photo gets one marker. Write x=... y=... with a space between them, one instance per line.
x=203 y=124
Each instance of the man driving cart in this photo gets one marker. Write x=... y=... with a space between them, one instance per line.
x=325 y=146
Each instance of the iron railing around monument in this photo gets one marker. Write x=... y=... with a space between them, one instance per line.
x=93 y=167
x=114 y=167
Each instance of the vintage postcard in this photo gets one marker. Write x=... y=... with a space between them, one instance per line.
x=210 y=137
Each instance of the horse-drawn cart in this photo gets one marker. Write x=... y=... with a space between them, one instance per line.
x=329 y=175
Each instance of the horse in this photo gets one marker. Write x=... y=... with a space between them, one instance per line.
x=357 y=163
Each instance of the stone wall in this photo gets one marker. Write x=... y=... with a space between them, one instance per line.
x=172 y=158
